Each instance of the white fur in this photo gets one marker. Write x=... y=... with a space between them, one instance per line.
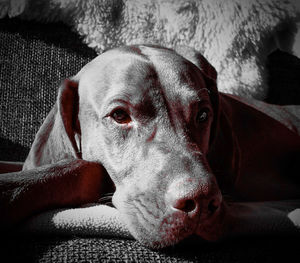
x=235 y=36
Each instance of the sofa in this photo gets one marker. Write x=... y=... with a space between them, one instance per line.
x=34 y=59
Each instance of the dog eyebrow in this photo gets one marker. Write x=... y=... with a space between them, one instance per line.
x=124 y=100
x=192 y=95
x=142 y=108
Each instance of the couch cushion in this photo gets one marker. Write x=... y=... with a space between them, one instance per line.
x=34 y=59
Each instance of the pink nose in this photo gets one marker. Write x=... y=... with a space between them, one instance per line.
x=185 y=197
x=190 y=205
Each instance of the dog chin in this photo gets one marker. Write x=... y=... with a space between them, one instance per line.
x=214 y=227
x=170 y=232
x=175 y=228
x=173 y=237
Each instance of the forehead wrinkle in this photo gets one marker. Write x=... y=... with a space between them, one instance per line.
x=182 y=86
x=180 y=78
x=187 y=95
x=120 y=75
x=136 y=79
x=192 y=76
x=128 y=74
x=138 y=85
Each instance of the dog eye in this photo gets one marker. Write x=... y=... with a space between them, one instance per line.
x=202 y=115
x=120 y=116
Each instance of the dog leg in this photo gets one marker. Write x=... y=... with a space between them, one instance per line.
x=10 y=167
x=67 y=183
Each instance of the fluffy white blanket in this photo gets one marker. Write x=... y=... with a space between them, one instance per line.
x=95 y=220
x=235 y=36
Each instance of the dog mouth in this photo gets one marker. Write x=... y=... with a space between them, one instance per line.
x=107 y=191
x=106 y=199
x=212 y=227
x=154 y=224
x=161 y=233
x=170 y=229
x=161 y=230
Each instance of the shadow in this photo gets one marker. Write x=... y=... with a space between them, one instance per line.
x=57 y=34
x=94 y=249
x=10 y=151
x=283 y=78
x=250 y=249
x=26 y=248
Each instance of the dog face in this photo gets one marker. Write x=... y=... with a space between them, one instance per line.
x=146 y=114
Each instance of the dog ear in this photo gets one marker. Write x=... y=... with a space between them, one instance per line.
x=210 y=78
x=197 y=58
x=68 y=108
x=59 y=136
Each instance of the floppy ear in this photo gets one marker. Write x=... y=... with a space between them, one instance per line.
x=210 y=78
x=197 y=58
x=68 y=108
x=59 y=136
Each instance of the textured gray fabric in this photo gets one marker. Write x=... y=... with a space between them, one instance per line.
x=34 y=58
x=34 y=249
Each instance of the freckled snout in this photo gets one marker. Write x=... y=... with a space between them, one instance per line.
x=196 y=199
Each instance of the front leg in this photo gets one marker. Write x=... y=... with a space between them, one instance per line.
x=67 y=183
x=263 y=218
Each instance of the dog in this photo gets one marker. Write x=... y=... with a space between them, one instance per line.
x=182 y=159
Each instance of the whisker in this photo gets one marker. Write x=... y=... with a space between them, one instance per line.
x=108 y=194
x=106 y=199
x=110 y=204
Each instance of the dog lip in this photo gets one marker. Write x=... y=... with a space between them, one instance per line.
x=172 y=228
x=211 y=226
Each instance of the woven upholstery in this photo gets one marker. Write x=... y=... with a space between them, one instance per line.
x=34 y=59
x=33 y=249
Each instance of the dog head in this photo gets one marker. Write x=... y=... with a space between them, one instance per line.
x=148 y=115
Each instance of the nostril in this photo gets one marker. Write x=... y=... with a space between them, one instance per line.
x=213 y=205
x=185 y=205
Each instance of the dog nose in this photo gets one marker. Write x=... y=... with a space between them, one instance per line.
x=185 y=205
x=189 y=205
x=186 y=198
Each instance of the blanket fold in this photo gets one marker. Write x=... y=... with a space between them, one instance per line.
x=96 y=220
